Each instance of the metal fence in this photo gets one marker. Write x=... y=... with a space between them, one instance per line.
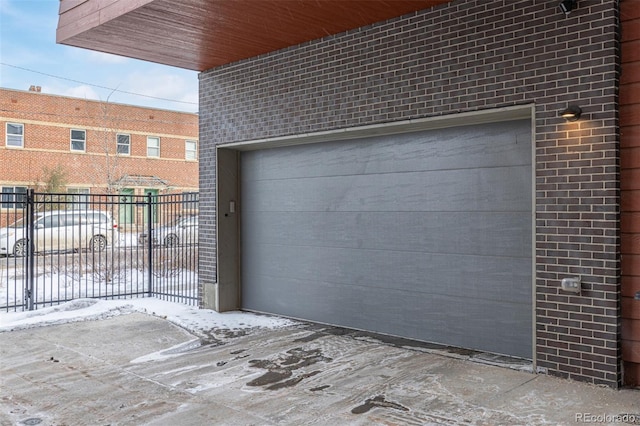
x=59 y=247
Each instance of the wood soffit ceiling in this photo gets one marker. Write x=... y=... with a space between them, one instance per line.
x=203 y=34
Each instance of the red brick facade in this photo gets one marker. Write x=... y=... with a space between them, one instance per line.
x=47 y=122
x=630 y=185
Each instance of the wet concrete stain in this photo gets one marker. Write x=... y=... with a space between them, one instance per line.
x=292 y=382
x=234 y=334
x=32 y=421
x=319 y=331
x=270 y=377
x=221 y=335
x=310 y=338
x=319 y=388
x=377 y=401
x=280 y=372
x=240 y=357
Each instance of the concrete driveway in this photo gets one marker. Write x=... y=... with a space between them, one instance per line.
x=139 y=369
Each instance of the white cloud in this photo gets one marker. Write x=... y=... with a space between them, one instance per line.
x=8 y=10
x=33 y=58
x=83 y=92
x=191 y=96
x=30 y=14
x=159 y=84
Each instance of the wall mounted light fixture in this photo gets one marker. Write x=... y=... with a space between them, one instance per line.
x=566 y=6
x=572 y=113
x=572 y=285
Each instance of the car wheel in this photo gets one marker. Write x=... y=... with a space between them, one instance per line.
x=98 y=243
x=20 y=248
x=171 y=240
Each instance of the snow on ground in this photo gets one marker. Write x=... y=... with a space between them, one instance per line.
x=198 y=321
x=76 y=275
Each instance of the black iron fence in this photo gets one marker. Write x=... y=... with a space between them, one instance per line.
x=59 y=247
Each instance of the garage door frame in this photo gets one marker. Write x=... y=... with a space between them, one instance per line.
x=226 y=294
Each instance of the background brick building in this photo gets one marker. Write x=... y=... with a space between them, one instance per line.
x=83 y=146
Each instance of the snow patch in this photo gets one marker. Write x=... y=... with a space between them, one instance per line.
x=73 y=311
x=200 y=322
x=171 y=352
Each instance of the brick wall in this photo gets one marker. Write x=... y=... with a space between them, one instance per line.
x=465 y=56
x=49 y=119
x=630 y=184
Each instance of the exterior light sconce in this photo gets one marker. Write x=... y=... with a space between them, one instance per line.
x=571 y=285
x=572 y=113
x=637 y=297
x=566 y=6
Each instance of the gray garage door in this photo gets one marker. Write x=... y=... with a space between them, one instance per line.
x=423 y=235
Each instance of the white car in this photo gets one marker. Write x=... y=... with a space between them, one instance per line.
x=183 y=232
x=61 y=230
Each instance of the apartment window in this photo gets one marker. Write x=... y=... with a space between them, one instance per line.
x=13 y=197
x=15 y=135
x=78 y=140
x=153 y=146
x=190 y=150
x=123 y=144
x=79 y=197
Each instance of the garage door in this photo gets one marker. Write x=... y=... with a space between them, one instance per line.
x=424 y=235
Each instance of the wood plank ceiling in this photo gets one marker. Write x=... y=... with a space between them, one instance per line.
x=203 y=34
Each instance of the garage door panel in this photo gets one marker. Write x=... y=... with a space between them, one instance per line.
x=475 y=277
x=425 y=317
x=425 y=235
x=447 y=190
x=419 y=151
x=489 y=233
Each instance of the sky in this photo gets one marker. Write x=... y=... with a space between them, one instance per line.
x=30 y=56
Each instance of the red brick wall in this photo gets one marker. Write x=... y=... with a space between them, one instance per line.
x=630 y=185
x=48 y=121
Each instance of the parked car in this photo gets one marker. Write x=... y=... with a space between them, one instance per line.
x=183 y=231
x=61 y=230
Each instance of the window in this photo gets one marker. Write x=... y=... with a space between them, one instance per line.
x=78 y=140
x=13 y=197
x=70 y=219
x=79 y=197
x=123 y=144
x=53 y=221
x=15 y=135
x=97 y=217
x=190 y=150
x=153 y=146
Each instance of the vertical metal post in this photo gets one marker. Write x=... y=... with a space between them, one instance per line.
x=150 y=242
x=29 y=252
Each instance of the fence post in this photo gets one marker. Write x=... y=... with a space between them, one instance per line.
x=29 y=252
x=150 y=241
